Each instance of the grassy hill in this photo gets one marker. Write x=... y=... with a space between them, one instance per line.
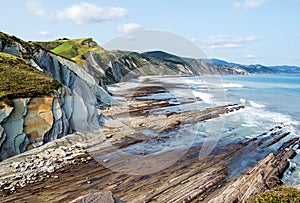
x=20 y=80
x=72 y=49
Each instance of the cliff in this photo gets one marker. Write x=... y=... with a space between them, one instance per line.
x=35 y=118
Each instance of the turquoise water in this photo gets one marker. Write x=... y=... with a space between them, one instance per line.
x=279 y=93
x=271 y=99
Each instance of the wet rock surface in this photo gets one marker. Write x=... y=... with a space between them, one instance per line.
x=97 y=198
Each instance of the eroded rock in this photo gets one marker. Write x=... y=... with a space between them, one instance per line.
x=98 y=197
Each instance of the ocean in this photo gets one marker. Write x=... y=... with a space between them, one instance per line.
x=270 y=100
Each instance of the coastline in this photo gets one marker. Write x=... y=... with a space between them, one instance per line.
x=78 y=170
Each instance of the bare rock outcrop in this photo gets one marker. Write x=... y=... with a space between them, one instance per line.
x=264 y=175
x=33 y=122
x=97 y=197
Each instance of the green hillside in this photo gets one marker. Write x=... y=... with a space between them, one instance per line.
x=72 y=49
x=19 y=80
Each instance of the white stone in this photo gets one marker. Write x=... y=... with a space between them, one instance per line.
x=50 y=169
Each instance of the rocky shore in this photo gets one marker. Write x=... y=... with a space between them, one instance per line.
x=39 y=166
x=79 y=165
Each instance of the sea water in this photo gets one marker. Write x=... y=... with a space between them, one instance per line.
x=270 y=100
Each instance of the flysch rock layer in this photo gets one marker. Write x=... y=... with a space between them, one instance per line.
x=35 y=121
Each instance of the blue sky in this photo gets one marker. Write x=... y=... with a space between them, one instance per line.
x=243 y=31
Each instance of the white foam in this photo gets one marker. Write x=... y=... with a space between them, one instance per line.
x=262 y=120
x=248 y=125
x=193 y=81
x=252 y=103
x=174 y=80
x=232 y=85
x=250 y=122
x=256 y=105
x=205 y=97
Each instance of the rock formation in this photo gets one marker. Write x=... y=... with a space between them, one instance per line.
x=35 y=121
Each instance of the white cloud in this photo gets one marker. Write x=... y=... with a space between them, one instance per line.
x=45 y=34
x=222 y=39
x=249 y=4
x=87 y=13
x=128 y=27
x=249 y=56
x=228 y=41
x=35 y=8
x=225 y=46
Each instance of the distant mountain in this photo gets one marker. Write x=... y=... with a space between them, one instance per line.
x=286 y=69
x=220 y=62
x=256 y=68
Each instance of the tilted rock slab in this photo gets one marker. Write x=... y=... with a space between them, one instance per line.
x=35 y=121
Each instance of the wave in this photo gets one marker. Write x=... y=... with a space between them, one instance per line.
x=248 y=125
x=232 y=85
x=193 y=81
x=205 y=97
x=251 y=122
x=250 y=117
x=252 y=103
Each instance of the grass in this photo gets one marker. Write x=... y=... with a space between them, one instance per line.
x=72 y=49
x=64 y=47
x=282 y=194
x=11 y=38
x=166 y=57
x=20 y=80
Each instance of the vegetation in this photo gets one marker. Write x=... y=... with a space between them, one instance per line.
x=282 y=194
x=166 y=57
x=7 y=37
x=170 y=61
x=19 y=80
x=71 y=49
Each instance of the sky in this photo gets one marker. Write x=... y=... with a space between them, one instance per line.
x=243 y=31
